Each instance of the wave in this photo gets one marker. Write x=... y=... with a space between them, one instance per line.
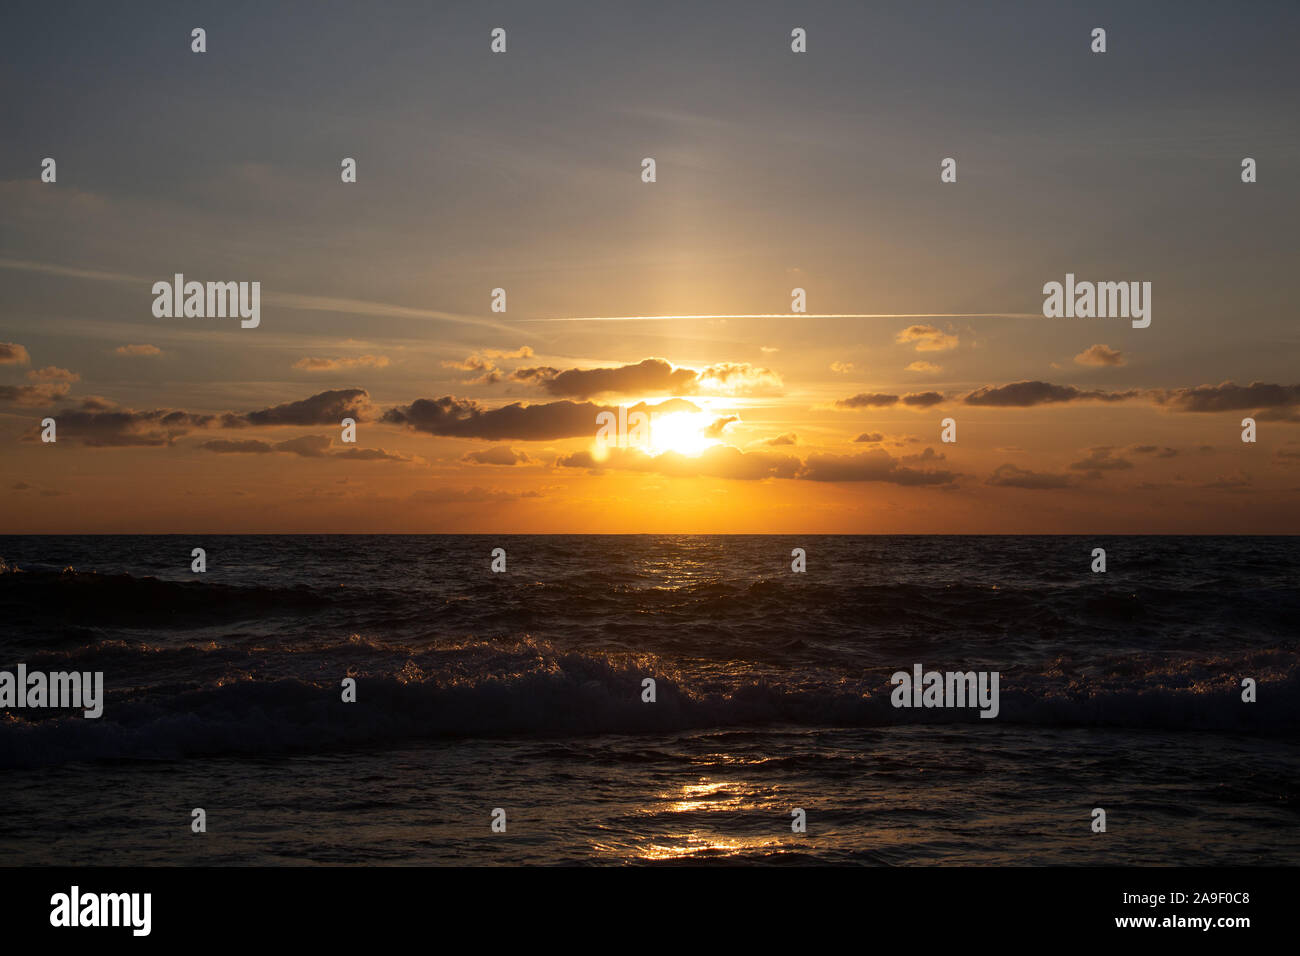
x=529 y=689
x=35 y=598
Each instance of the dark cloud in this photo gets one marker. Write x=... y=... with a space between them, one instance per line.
x=1009 y=476
x=97 y=403
x=923 y=399
x=352 y=453
x=884 y=400
x=465 y=418
x=305 y=446
x=1026 y=394
x=1154 y=450
x=868 y=400
x=323 y=408
x=876 y=465
x=1234 y=483
x=308 y=446
x=498 y=455
x=534 y=376
x=1229 y=397
x=34 y=396
x=124 y=428
x=1101 y=459
x=926 y=456
x=653 y=376
x=224 y=446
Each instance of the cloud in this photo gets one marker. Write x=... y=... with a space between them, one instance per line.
x=484 y=362
x=884 y=400
x=1009 y=476
x=718 y=461
x=875 y=465
x=1101 y=459
x=333 y=364
x=872 y=437
x=922 y=399
x=97 y=403
x=1154 y=450
x=1026 y=394
x=715 y=428
x=789 y=438
x=738 y=378
x=13 y=354
x=498 y=455
x=1229 y=397
x=926 y=338
x=842 y=367
x=52 y=373
x=868 y=400
x=352 y=453
x=922 y=366
x=1100 y=355
x=453 y=417
x=251 y=446
x=305 y=446
x=538 y=375
x=1235 y=483
x=124 y=428
x=653 y=376
x=522 y=352
x=323 y=408
x=141 y=350
x=33 y=396
x=926 y=456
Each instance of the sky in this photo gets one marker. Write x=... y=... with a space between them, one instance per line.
x=774 y=171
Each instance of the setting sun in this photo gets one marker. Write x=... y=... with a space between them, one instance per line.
x=683 y=432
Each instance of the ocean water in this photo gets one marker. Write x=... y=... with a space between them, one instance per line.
x=522 y=691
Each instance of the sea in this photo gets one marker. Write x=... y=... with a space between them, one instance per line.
x=501 y=717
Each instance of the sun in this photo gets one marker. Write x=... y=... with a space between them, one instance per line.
x=682 y=432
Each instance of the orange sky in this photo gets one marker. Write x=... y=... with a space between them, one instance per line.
x=524 y=173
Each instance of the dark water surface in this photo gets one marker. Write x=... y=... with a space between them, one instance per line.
x=522 y=690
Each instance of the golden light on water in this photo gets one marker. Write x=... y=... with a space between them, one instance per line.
x=697 y=844
x=706 y=796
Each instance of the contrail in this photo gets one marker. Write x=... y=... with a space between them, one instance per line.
x=310 y=303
